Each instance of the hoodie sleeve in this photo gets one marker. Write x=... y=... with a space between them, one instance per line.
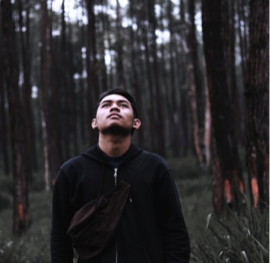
x=61 y=245
x=174 y=232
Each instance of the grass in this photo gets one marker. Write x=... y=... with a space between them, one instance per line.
x=242 y=237
x=32 y=246
x=236 y=238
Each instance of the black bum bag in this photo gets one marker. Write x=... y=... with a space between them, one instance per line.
x=94 y=225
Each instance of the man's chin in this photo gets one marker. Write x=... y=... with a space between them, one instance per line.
x=116 y=131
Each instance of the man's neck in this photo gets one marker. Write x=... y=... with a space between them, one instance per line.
x=114 y=146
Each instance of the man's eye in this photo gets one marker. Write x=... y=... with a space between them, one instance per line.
x=124 y=105
x=105 y=105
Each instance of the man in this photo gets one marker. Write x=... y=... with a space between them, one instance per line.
x=152 y=227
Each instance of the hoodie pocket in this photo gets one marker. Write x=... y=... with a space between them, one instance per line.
x=133 y=255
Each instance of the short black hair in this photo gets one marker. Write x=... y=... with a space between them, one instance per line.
x=121 y=92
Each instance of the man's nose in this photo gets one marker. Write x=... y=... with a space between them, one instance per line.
x=115 y=107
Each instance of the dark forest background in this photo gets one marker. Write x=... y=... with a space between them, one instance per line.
x=199 y=71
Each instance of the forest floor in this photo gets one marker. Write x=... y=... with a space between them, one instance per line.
x=194 y=185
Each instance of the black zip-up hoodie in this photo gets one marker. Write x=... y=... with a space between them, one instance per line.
x=152 y=227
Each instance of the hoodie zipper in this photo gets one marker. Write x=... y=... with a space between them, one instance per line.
x=116 y=245
x=115 y=176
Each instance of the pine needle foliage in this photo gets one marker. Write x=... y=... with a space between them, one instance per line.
x=234 y=238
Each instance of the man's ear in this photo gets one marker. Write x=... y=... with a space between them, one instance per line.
x=136 y=124
x=94 y=124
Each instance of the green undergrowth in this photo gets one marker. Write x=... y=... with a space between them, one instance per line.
x=236 y=238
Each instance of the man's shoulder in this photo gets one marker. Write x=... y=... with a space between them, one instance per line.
x=76 y=161
x=72 y=161
x=154 y=158
x=72 y=164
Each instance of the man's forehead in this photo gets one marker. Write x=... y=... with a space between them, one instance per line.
x=114 y=97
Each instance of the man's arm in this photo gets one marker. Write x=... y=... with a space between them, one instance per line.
x=174 y=232
x=61 y=245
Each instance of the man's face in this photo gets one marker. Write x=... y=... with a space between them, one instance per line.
x=115 y=116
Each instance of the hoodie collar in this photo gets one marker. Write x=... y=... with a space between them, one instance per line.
x=97 y=154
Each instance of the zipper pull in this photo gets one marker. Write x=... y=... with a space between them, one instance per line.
x=130 y=198
x=115 y=176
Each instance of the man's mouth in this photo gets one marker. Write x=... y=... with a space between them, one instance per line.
x=114 y=115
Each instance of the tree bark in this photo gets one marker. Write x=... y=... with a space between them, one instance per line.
x=223 y=130
x=135 y=79
x=21 y=215
x=242 y=29
x=257 y=103
x=92 y=66
x=29 y=129
x=121 y=83
x=189 y=44
x=159 y=122
x=45 y=92
x=172 y=91
x=65 y=88
x=228 y=36
x=199 y=94
x=207 y=129
x=150 y=105
x=4 y=132
x=103 y=68
x=83 y=95
x=54 y=141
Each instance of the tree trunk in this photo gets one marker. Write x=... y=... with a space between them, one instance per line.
x=135 y=80
x=83 y=95
x=55 y=142
x=150 y=104
x=159 y=122
x=103 y=68
x=72 y=98
x=4 y=132
x=175 y=122
x=207 y=129
x=199 y=93
x=242 y=27
x=228 y=36
x=92 y=66
x=109 y=40
x=29 y=129
x=187 y=139
x=223 y=130
x=65 y=88
x=21 y=216
x=257 y=103
x=189 y=44
x=44 y=90
x=121 y=83
x=220 y=188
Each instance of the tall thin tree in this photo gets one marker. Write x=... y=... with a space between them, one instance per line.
x=45 y=93
x=54 y=141
x=223 y=130
x=121 y=83
x=92 y=63
x=21 y=215
x=4 y=131
x=159 y=120
x=257 y=103
x=134 y=62
x=172 y=91
x=29 y=131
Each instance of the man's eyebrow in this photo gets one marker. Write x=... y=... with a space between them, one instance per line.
x=110 y=101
